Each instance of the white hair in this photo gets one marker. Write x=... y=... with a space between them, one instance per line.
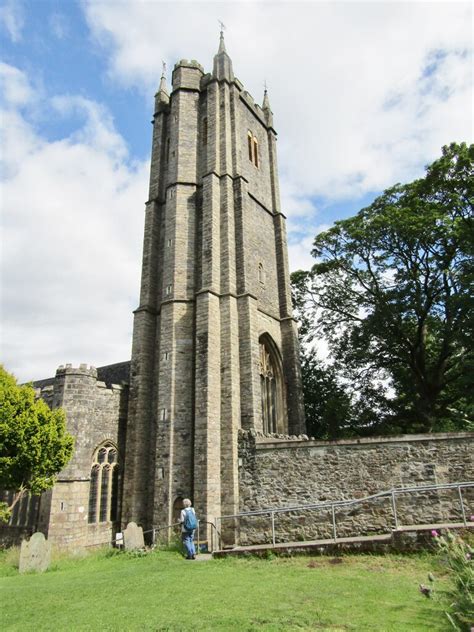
x=187 y=502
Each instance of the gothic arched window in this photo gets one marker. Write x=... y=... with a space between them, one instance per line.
x=103 y=491
x=271 y=387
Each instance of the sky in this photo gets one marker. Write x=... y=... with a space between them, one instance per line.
x=364 y=95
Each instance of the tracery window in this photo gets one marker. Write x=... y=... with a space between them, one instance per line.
x=270 y=388
x=103 y=491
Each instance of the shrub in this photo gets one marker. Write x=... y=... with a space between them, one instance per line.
x=456 y=554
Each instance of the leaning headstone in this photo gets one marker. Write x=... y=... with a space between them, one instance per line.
x=35 y=554
x=133 y=537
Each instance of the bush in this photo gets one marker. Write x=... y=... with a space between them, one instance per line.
x=457 y=555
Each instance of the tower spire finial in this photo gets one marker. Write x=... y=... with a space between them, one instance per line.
x=162 y=87
x=162 y=95
x=222 y=61
x=266 y=105
x=266 y=100
x=221 y=42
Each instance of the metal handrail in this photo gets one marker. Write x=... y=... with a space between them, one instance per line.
x=329 y=503
x=333 y=505
x=155 y=530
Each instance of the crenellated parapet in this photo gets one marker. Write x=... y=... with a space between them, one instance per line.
x=254 y=107
x=83 y=369
x=187 y=75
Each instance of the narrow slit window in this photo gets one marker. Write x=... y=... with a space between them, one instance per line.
x=204 y=131
x=250 y=146
x=167 y=150
x=255 y=152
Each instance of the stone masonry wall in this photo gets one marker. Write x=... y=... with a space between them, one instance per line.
x=95 y=414
x=277 y=471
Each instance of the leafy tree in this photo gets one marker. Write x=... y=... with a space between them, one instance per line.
x=390 y=293
x=34 y=444
x=327 y=405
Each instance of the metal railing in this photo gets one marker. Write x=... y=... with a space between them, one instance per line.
x=215 y=536
x=333 y=505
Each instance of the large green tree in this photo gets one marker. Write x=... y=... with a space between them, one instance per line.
x=34 y=444
x=391 y=292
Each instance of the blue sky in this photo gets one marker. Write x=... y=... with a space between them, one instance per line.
x=364 y=95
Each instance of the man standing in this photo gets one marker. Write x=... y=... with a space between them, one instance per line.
x=188 y=525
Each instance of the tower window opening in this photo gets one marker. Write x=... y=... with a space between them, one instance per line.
x=261 y=273
x=103 y=485
x=252 y=146
x=255 y=152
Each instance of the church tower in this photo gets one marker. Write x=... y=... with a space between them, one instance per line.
x=214 y=345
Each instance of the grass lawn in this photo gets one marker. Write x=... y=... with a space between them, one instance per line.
x=161 y=591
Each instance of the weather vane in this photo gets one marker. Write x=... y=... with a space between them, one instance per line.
x=222 y=25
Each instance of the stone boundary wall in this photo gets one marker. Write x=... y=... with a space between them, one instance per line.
x=277 y=471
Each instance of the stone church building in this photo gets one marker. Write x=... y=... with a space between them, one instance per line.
x=210 y=406
x=214 y=345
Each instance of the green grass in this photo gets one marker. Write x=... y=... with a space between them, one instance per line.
x=161 y=591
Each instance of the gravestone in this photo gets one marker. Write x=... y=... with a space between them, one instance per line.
x=35 y=554
x=133 y=537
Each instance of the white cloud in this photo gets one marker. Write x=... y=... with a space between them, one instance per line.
x=72 y=226
x=299 y=254
x=331 y=67
x=12 y=19
x=15 y=87
x=364 y=95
